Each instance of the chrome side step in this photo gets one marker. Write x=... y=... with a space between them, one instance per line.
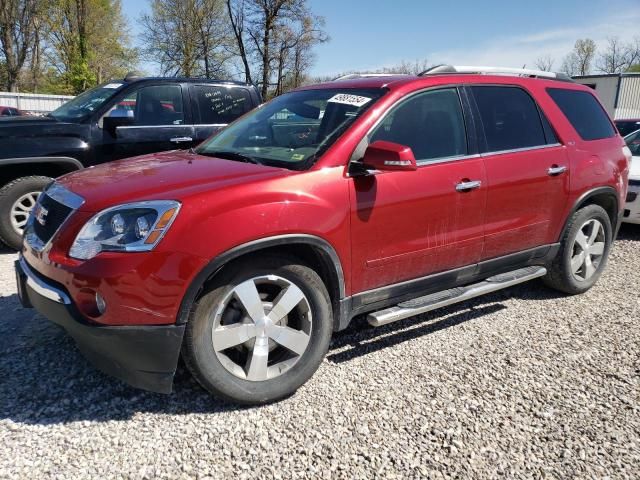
x=444 y=298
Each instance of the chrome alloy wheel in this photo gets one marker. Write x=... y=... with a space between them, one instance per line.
x=588 y=250
x=261 y=328
x=21 y=209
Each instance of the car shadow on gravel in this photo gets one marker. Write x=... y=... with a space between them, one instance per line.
x=45 y=380
x=362 y=339
x=629 y=232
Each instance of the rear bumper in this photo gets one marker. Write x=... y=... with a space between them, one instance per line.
x=145 y=357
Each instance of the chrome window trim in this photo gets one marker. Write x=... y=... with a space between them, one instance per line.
x=210 y=124
x=41 y=287
x=518 y=150
x=428 y=161
x=169 y=125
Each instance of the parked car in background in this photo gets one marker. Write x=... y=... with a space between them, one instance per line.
x=385 y=196
x=122 y=118
x=625 y=127
x=632 y=206
x=10 y=112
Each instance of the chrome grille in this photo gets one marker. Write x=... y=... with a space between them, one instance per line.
x=56 y=214
x=54 y=206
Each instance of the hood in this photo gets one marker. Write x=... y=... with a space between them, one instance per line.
x=26 y=126
x=634 y=171
x=170 y=175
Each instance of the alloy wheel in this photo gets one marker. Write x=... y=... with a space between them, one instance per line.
x=588 y=250
x=21 y=209
x=262 y=328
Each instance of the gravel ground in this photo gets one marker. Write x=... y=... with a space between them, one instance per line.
x=521 y=384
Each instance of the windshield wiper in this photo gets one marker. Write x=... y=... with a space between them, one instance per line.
x=228 y=155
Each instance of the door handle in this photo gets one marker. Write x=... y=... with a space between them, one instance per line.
x=468 y=185
x=556 y=170
x=180 y=139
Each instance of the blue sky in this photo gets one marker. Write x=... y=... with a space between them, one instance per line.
x=368 y=34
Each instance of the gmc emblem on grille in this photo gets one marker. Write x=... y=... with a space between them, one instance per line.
x=41 y=214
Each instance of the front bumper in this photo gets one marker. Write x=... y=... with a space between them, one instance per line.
x=632 y=206
x=145 y=357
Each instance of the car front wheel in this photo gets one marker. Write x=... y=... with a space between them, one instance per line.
x=17 y=199
x=259 y=331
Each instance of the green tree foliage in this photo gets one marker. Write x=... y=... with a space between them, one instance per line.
x=88 y=43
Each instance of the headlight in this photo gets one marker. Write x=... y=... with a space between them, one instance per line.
x=132 y=227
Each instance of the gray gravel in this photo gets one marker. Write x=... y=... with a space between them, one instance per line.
x=521 y=384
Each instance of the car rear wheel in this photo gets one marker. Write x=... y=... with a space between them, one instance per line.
x=259 y=331
x=17 y=199
x=583 y=251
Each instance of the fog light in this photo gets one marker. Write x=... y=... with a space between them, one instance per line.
x=101 y=304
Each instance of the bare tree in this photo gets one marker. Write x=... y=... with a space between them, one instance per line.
x=614 y=58
x=237 y=21
x=186 y=37
x=579 y=60
x=17 y=35
x=267 y=16
x=545 y=63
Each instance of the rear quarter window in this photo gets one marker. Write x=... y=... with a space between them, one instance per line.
x=583 y=112
x=220 y=104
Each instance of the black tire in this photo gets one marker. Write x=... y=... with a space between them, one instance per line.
x=560 y=275
x=202 y=360
x=9 y=194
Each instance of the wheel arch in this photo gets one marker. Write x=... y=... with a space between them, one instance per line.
x=312 y=250
x=12 y=168
x=605 y=197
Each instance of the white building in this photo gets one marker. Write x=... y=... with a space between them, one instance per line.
x=619 y=92
x=32 y=102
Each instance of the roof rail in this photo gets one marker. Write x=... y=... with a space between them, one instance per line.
x=353 y=76
x=522 y=72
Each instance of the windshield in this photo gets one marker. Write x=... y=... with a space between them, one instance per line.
x=292 y=130
x=86 y=103
x=633 y=142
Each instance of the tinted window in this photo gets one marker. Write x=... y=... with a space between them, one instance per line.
x=510 y=118
x=625 y=127
x=584 y=112
x=215 y=105
x=431 y=123
x=153 y=105
x=633 y=142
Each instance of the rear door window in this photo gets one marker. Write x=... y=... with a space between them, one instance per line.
x=219 y=104
x=510 y=118
x=431 y=123
x=583 y=112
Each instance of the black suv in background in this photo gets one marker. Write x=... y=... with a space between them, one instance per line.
x=119 y=119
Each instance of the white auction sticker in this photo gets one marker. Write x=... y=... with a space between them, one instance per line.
x=348 y=99
x=112 y=85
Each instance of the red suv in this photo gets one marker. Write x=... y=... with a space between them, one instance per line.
x=385 y=196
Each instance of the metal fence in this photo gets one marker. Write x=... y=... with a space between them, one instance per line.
x=32 y=102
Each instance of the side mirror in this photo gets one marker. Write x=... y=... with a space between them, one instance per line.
x=110 y=124
x=384 y=156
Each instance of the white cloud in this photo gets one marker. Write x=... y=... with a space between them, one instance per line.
x=517 y=51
